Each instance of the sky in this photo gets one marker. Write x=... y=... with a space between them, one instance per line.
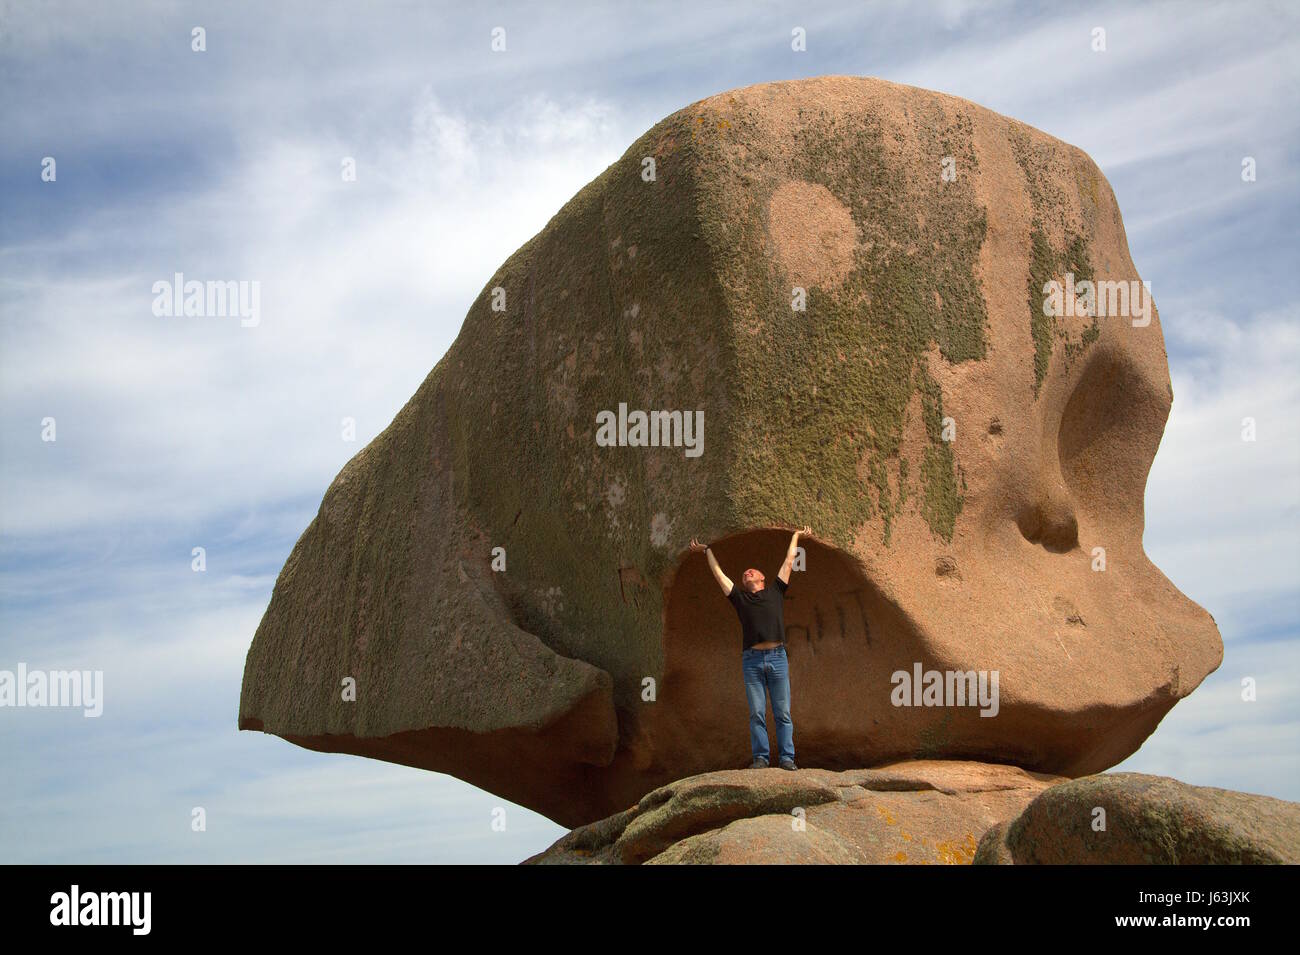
x=177 y=433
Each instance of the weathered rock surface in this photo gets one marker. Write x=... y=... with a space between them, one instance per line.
x=1148 y=820
x=935 y=811
x=969 y=466
x=923 y=811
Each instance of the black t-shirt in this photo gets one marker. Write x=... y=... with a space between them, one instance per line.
x=762 y=619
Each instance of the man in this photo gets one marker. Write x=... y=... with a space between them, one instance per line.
x=763 y=658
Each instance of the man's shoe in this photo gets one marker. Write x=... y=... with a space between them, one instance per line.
x=759 y=764
x=788 y=764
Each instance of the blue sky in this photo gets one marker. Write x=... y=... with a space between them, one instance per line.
x=181 y=433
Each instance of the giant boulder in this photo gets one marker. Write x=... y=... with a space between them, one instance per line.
x=843 y=278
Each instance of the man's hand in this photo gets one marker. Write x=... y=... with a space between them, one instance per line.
x=723 y=580
x=791 y=551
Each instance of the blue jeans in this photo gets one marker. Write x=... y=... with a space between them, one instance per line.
x=766 y=673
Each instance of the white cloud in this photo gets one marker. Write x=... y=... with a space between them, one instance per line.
x=363 y=287
x=1215 y=738
x=1223 y=514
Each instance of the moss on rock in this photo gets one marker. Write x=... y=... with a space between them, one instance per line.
x=830 y=387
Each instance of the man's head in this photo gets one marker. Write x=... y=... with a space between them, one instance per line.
x=753 y=580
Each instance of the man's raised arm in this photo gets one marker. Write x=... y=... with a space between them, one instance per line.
x=784 y=572
x=723 y=580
